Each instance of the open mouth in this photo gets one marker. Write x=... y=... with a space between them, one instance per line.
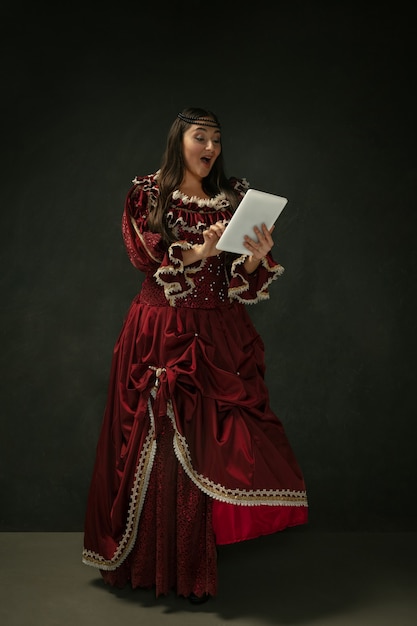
x=206 y=160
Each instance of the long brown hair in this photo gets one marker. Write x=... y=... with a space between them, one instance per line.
x=171 y=173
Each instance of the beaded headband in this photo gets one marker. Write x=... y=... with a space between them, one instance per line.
x=201 y=121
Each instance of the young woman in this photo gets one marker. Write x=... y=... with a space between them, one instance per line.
x=190 y=454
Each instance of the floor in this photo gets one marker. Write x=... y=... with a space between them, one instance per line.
x=295 y=578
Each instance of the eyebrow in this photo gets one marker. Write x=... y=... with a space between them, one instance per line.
x=216 y=130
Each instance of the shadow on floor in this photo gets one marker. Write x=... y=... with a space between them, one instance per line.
x=299 y=576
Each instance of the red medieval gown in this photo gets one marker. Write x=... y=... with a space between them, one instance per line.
x=190 y=453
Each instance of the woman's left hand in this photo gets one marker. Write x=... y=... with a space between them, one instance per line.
x=260 y=248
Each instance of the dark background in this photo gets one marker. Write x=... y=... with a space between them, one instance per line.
x=317 y=103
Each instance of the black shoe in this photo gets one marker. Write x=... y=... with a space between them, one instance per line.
x=198 y=599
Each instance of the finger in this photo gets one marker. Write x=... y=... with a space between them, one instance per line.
x=254 y=247
x=212 y=231
x=217 y=232
x=210 y=234
x=249 y=241
x=265 y=232
x=267 y=238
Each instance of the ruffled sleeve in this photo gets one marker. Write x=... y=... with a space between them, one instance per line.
x=177 y=279
x=252 y=288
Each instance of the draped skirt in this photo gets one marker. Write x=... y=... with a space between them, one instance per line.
x=190 y=453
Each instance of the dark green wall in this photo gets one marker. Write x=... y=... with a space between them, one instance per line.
x=317 y=105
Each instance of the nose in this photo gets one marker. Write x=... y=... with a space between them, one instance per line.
x=210 y=145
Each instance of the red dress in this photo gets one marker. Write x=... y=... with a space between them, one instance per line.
x=190 y=453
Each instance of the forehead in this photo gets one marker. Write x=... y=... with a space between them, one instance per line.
x=210 y=130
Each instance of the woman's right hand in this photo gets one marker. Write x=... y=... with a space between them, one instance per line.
x=206 y=249
x=211 y=239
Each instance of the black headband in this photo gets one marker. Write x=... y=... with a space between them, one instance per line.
x=201 y=121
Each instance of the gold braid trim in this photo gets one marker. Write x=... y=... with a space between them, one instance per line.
x=256 y=497
x=142 y=240
x=137 y=497
x=272 y=497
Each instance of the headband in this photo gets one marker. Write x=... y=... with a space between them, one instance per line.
x=201 y=121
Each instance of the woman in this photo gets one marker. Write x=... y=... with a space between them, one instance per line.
x=190 y=454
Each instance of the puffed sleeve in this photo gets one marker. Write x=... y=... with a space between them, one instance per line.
x=144 y=248
x=252 y=288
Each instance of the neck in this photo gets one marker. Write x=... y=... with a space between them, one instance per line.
x=191 y=186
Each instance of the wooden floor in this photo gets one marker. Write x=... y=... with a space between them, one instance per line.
x=295 y=578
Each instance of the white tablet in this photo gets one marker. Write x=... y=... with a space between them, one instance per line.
x=256 y=208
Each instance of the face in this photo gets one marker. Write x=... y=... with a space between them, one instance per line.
x=201 y=147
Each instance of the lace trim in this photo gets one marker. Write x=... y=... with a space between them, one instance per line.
x=241 y=185
x=149 y=184
x=262 y=293
x=255 y=497
x=218 y=201
x=174 y=290
x=146 y=181
x=137 y=497
x=279 y=497
x=179 y=223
